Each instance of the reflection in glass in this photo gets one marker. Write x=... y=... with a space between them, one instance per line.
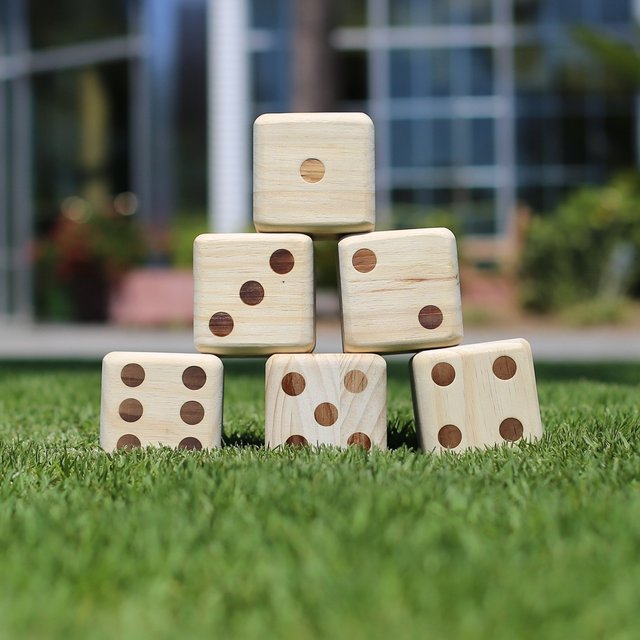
x=269 y=14
x=442 y=142
x=482 y=141
x=400 y=72
x=401 y=143
x=65 y=22
x=353 y=75
x=81 y=137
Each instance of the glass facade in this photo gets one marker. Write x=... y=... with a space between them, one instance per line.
x=479 y=105
x=100 y=103
x=574 y=124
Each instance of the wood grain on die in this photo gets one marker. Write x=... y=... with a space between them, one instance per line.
x=475 y=395
x=313 y=173
x=253 y=294
x=176 y=400
x=332 y=399
x=400 y=291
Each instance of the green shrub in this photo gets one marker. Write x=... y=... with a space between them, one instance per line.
x=183 y=232
x=596 y=312
x=570 y=256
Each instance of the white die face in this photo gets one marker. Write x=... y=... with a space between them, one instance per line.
x=326 y=399
x=253 y=294
x=314 y=173
x=400 y=291
x=475 y=396
x=165 y=399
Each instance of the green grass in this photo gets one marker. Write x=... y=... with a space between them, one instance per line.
x=533 y=541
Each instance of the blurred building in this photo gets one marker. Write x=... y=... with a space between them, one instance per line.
x=479 y=105
x=100 y=103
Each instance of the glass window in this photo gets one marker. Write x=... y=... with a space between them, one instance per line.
x=567 y=10
x=403 y=196
x=4 y=21
x=481 y=11
x=442 y=198
x=442 y=142
x=472 y=71
x=421 y=72
x=190 y=100
x=400 y=70
x=616 y=11
x=526 y=12
x=532 y=68
x=482 y=74
x=81 y=137
x=619 y=130
x=439 y=71
x=441 y=11
x=353 y=76
x=409 y=12
x=418 y=208
x=64 y=22
x=401 y=155
x=269 y=71
x=574 y=140
x=532 y=197
x=471 y=11
x=552 y=141
x=352 y=13
x=482 y=141
x=270 y=14
x=530 y=136
x=422 y=152
x=477 y=208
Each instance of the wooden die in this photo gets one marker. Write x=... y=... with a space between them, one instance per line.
x=475 y=395
x=169 y=399
x=400 y=291
x=314 y=173
x=253 y=293
x=326 y=399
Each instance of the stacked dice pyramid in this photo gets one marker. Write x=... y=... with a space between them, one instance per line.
x=254 y=296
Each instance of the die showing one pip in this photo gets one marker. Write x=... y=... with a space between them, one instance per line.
x=170 y=399
x=253 y=293
x=400 y=291
x=326 y=399
x=475 y=395
x=314 y=173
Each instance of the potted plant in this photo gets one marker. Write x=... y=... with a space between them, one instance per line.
x=81 y=259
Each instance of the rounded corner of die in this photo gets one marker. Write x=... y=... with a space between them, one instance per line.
x=457 y=336
x=203 y=346
x=108 y=357
x=214 y=362
x=379 y=361
x=417 y=358
x=307 y=341
x=364 y=119
x=523 y=343
x=262 y=119
x=200 y=240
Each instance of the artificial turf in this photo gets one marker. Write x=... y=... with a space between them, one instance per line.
x=528 y=541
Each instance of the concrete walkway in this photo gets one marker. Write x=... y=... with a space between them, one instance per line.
x=43 y=341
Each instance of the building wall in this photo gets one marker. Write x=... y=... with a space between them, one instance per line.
x=479 y=104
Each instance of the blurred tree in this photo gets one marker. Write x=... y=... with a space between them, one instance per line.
x=313 y=67
x=621 y=58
